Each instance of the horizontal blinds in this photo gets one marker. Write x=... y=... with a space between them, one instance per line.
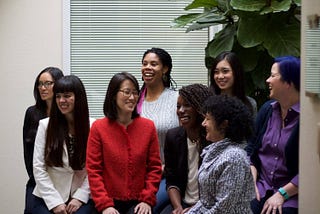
x=108 y=37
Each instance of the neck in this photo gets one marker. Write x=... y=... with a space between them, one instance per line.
x=153 y=93
x=227 y=92
x=288 y=102
x=49 y=102
x=193 y=134
x=124 y=119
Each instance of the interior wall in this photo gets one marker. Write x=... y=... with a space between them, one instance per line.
x=309 y=184
x=30 y=40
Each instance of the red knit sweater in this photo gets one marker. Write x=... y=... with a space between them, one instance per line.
x=123 y=164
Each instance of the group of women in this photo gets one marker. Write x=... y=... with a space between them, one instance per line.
x=157 y=150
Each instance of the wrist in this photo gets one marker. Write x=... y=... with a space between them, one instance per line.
x=283 y=193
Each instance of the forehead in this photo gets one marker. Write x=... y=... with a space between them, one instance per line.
x=275 y=68
x=223 y=64
x=46 y=76
x=151 y=57
x=127 y=84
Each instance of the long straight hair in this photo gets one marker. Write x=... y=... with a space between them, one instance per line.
x=238 y=87
x=56 y=74
x=57 y=131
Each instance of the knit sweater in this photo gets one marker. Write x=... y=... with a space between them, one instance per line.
x=123 y=163
x=163 y=112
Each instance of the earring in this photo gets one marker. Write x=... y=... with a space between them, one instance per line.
x=164 y=78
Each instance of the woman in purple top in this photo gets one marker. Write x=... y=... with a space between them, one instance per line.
x=274 y=149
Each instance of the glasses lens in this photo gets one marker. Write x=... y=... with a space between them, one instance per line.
x=46 y=84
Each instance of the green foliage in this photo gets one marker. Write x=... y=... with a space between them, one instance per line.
x=256 y=30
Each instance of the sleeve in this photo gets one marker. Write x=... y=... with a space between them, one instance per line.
x=95 y=167
x=153 y=171
x=170 y=155
x=83 y=192
x=46 y=188
x=28 y=140
x=295 y=180
x=233 y=185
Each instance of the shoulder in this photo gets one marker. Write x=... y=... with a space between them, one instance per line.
x=252 y=102
x=176 y=131
x=143 y=120
x=170 y=93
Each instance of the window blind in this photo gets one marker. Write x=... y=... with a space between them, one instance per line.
x=107 y=37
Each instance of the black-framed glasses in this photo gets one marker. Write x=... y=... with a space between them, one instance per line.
x=46 y=84
x=128 y=92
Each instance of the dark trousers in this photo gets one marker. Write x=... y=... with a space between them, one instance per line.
x=257 y=206
x=40 y=207
x=169 y=208
x=29 y=199
x=125 y=207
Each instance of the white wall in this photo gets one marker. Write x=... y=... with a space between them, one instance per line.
x=310 y=117
x=30 y=39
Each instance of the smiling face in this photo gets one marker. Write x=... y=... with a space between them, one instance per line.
x=186 y=113
x=214 y=133
x=276 y=85
x=152 y=69
x=126 y=97
x=45 y=86
x=223 y=77
x=65 y=102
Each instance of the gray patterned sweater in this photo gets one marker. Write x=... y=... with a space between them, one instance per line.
x=225 y=180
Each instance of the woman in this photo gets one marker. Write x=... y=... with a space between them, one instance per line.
x=274 y=149
x=225 y=180
x=123 y=162
x=227 y=77
x=43 y=96
x=60 y=152
x=158 y=103
x=182 y=150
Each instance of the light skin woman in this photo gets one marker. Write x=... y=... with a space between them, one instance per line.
x=60 y=152
x=123 y=162
x=227 y=77
x=43 y=95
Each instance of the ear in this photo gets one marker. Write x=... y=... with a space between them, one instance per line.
x=165 y=69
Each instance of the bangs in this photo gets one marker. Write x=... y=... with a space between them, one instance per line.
x=64 y=85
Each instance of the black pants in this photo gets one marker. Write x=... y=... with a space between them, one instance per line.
x=257 y=206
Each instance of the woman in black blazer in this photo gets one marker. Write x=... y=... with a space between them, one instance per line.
x=182 y=149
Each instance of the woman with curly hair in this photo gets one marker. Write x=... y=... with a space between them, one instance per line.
x=225 y=180
x=182 y=149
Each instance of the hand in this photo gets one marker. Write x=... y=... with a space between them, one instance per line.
x=110 y=210
x=178 y=210
x=142 y=208
x=273 y=204
x=73 y=206
x=60 y=209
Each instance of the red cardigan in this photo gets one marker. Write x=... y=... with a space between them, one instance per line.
x=123 y=164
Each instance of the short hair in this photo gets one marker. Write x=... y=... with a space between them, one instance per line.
x=58 y=128
x=166 y=60
x=225 y=108
x=289 y=67
x=56 y=74
x=110 y=104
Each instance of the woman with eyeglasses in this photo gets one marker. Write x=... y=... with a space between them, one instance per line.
x=123 y=161
x=60 y=152
x=43 y=96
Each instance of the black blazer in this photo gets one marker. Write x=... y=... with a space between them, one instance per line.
x=30 y=126
x=176 y=158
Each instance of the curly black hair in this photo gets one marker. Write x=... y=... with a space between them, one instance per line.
x=234 y=111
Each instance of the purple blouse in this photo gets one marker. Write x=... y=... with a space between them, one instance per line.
x=274 y=173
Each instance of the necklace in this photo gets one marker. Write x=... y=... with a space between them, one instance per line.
x=195 y=141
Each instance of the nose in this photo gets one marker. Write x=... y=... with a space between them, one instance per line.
x=203 y=123
x=181 y=109
x=268 y=80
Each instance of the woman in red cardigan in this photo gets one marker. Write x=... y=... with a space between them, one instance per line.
x=123 y=160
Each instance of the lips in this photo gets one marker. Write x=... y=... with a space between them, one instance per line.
x=148 y=75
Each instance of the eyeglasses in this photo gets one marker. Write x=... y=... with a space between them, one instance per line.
x=46 y=84
x=128 y=92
